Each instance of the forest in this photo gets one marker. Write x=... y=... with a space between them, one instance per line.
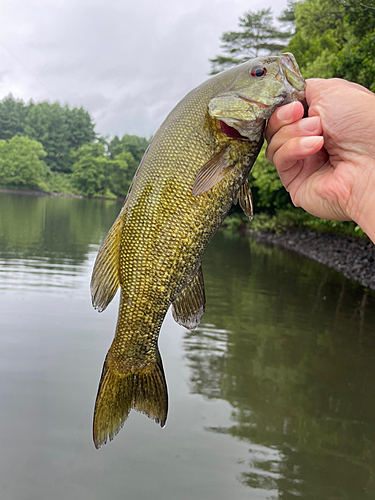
x=54 y=148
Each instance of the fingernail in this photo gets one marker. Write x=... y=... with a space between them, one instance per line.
x=309 y=124
x=285 y=112
x=311 y=142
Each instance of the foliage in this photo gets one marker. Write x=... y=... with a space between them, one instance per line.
x=21 y=164
x=297 y=217
x=12 y=118
x=60 y=182
x=122 y=170
x=360 y=15
x=89 y=169
x=320 y=34
x=265 y=181
x=80 y=127
x=66 y=136
x=129 y=144
x=96 y=174
x=257 y=36
x=46 y=122
x=356 y=62
x=335 y=38
x=59 y=129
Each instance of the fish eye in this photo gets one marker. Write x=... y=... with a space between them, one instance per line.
x=258 y=71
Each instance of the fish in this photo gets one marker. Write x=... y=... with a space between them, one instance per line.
x=195 y=168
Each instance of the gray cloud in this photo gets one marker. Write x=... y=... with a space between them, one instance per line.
x=127 y=62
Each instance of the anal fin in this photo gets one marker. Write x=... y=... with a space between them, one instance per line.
x=188 y=307
x=105 y=280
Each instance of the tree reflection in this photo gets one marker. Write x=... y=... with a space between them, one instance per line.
x=291 y=346
x=57 y=229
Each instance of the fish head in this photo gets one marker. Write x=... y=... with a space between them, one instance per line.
x=261 y=85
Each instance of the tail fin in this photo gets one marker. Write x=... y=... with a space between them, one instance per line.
x=118 y=393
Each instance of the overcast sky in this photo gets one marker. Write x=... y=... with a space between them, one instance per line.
x=128 y=62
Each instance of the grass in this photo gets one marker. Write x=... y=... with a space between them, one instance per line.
x=288 y=218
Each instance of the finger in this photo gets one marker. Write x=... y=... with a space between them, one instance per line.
x=283 y=116
x=302 y=128
x=297 y=148
x=303 y=172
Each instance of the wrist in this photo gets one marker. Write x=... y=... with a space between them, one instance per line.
x=363 y=210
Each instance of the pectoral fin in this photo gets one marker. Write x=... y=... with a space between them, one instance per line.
x=245 y=199
x=105 y=280
x=211 y=173
x=188 y=308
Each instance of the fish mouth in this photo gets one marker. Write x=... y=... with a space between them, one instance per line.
x=252 y=102
x=231 y=132
x=236 y=128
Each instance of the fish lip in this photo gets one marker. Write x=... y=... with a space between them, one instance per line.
x=251 y=101
x=289 y=62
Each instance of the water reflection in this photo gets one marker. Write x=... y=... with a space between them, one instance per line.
x=281 y=373
x=293 y=353
x=44 y=241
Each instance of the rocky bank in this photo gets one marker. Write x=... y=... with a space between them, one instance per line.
x=354 y=257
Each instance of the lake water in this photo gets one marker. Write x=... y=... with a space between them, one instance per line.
x=272 y=397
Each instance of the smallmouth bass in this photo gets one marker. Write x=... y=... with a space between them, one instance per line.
x=195 y=168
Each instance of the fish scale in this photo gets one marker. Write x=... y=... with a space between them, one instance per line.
x=192 y=172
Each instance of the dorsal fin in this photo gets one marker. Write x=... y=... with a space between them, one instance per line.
x=105 y=280
x=188 y=307
x=211 y=173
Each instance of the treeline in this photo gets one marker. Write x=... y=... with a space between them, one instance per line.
x=329 y=38
x=55 y=148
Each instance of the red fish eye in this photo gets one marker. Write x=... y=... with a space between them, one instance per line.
x=258 y=71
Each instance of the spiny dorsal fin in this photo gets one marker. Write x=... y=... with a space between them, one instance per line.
x=245 y=199
x=211 y=173
x=105 y=280
x=188 y=308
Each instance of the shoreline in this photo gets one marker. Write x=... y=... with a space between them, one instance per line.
x=36 y=192
x=353 y=257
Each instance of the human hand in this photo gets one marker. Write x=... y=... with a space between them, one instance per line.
x=327 y=160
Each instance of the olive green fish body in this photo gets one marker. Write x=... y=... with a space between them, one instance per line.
x=195 y=168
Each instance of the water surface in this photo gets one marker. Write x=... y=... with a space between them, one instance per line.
x=272 y=397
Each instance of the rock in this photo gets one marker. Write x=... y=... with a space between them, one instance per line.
x=353 y=257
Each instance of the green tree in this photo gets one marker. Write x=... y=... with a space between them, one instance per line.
x=46 y=123
x=257 y=36
x=360 y=15
x=22 y=165
x=288 y=16
x=355 y=61
x=12 y=117
x=122 y=169
x=80 y=127
x=60 y=130
x=129 y=144
x=91 y=169
x=320 y=34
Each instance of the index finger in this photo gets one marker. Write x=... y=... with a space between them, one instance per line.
x=284 y=115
